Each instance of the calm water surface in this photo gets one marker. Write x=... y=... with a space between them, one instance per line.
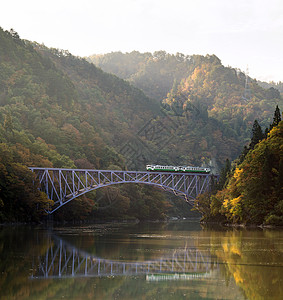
x=178 y=260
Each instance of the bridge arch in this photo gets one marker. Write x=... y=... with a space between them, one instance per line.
x=64 y=185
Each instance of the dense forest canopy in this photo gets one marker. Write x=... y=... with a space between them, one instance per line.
x=186 y=80
x=252 y=192
x=216 y=105
x=154 y=73
x=58 y=110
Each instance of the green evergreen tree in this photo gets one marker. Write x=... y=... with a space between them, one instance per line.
x=276 y=118
x=257 y=135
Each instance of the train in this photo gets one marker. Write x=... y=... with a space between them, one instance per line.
x=182 y=169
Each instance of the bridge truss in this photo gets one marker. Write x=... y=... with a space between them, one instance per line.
x=64 y=185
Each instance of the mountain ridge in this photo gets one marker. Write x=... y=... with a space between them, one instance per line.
x=58 y=110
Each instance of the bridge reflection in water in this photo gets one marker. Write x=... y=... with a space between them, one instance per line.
x=63 y=260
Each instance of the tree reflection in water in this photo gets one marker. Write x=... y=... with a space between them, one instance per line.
x=127 y=262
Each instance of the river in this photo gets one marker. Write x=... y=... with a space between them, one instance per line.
x=175 y=260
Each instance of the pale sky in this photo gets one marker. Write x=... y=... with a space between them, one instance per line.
x=240 y=32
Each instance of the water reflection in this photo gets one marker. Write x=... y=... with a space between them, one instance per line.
x=168 y=261
x=63 y=260
x=253 y=258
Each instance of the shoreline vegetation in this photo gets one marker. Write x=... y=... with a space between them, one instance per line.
x=250 y=192
x=210 y=224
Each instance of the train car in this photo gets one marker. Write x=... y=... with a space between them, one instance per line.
x=182 y=169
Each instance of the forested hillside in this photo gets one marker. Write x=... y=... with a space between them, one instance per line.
x=197 y=84
x=58 y=110
x=155 y=73
x=252 y=192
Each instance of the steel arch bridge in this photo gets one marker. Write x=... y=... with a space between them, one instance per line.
x=64 y=185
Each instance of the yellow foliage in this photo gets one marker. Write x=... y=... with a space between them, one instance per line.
x=238 y=173
x=235 y=201
x=225 y=203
